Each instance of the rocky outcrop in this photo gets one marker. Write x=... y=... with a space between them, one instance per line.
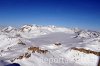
x=86 y=51
x=37 y=49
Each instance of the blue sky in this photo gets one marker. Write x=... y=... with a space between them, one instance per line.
x=67 y=13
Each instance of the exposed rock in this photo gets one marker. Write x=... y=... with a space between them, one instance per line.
x=20 y=42
x=86 y=51
x=57 y=44
x=37 y=49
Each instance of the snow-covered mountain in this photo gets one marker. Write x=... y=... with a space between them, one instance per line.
x=33 y=45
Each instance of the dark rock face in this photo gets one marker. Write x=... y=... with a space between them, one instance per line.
x=14 y=64
x=99 y=61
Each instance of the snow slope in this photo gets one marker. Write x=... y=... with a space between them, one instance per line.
x=52 y=46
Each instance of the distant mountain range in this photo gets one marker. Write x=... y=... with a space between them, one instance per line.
x=34 y=45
